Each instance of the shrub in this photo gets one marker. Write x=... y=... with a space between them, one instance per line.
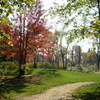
x=44 y=65
x=8 y=68
x=9 y=65
x=29 y=67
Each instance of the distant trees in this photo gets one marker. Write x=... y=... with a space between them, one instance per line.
x=69 y=14
x=91 y=57
x=79 y=57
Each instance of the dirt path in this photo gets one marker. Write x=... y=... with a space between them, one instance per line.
x=57 y=93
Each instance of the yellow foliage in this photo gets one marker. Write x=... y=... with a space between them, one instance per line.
x=91 y=53
x=10 y=43
x=1 y=37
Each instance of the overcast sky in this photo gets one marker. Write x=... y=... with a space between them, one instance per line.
x=49 y=3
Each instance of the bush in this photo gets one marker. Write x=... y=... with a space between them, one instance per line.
x=92 y=67
x=88 y=92
x=40 y=64
x=29 y=67
x=8 y=68
x=44 y=65
x=9 y=65
x=77 y=68
x=87 y=69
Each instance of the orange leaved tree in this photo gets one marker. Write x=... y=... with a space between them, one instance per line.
x=28 y=35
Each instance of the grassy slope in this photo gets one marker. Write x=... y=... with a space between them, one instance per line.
x=88 y=92
x=49 y=78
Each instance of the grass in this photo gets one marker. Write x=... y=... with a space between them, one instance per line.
x=88 y=92
x=43 y=79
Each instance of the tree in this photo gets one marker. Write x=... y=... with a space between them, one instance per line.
x=85 y=10
x=91 y=57
x=9 y=6
x=28 y=36
x=4 y=43
x=57 y=49
x=92 y=11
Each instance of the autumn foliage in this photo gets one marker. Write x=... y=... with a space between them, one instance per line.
x=29 y=35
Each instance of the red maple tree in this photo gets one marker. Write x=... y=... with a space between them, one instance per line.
x=28 y=35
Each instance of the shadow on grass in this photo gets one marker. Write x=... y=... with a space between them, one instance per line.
x=14 y=84
x=17 y=85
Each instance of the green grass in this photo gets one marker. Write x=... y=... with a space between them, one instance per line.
x=88 y=92
x=45 y=78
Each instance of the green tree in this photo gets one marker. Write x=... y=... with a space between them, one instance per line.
x=9 y=6
x=85 y=10
x=91 y=57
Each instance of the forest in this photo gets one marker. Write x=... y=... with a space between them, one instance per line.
x=40 y=49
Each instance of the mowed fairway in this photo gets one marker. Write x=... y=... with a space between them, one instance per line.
x=44 y=79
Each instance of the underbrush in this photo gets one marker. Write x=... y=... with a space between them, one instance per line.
x=85 y=68
x=8 y=69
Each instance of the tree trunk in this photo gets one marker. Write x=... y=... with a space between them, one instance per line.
x=22 y=59
x=98 y=55
x=35 y=63
x=22 y=62
x=63 y=62
x=79 y=56
x=72 y=57
x=66 y=62
x=21 y=70
x=57 y=61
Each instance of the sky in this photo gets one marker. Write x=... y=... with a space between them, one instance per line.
x=49 y=3
x=85 y=44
